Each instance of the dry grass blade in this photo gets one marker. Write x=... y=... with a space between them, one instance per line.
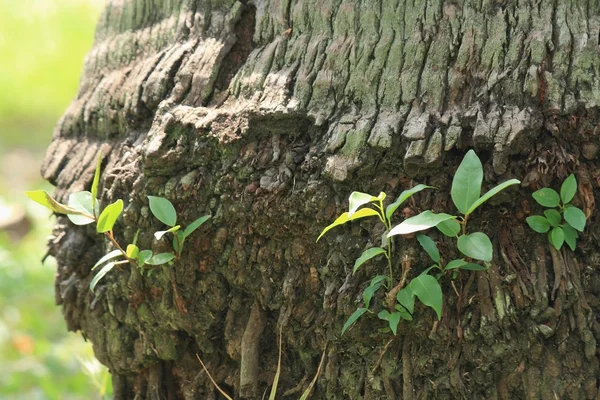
x=314 y=381
x=212 y=380
x=276 y=379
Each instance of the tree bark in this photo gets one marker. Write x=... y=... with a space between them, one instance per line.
x=268 y=114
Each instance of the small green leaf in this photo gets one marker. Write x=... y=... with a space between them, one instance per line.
x=557 y=237
x=109 y=256
x=105 y=270
x=366 y=256
x=462 y=264
x=158 y=235
x=393 y=319
x=109 y=216
x=82 y=201
x=425 y=220
x=355 y=315
x=143 y=257
x=405 y=195
x=135 y=237
x=42 y=197
x=163 y=210
x=132 y=251
x=568 y=189
x=575 y=217
x=403 y=313
x=429 y=246
x=358 y=199
x=547 y=197
x=161 y=258
x=553 y=217
x=369 y=292
x=194 y=225
x=96 y=182
x=428 y=290
x=476 y=245
x=377 y=279
x=450 y=227
x=342 y=219
x=538 y=223
x=571 y=236
x=492 y=192
x=466 y=185
x=406 y=298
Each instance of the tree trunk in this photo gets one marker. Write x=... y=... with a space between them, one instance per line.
x=268 y=114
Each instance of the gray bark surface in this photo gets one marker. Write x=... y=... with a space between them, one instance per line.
x=268 y=114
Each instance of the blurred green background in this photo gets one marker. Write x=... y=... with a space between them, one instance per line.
x=42 y=46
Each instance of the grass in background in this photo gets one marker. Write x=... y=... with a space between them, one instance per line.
x=42 y=46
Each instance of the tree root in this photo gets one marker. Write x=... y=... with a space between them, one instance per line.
x=250 y=351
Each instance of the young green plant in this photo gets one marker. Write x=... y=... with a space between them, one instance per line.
x=562 y=220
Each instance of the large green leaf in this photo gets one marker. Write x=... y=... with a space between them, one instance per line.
x=405 y=195
x=547 y=197
x=101 y=274
x=355 y=315
x=109 y=216
x=345 y=217
x=538 y=223
x=476 y=245
x=42 y=197
x=492 y=192
x=358 y=199
x=392 y=318
x=425 y=220
x=406 y=298
x=161 y=258
x=568 y=189
x=557 y=237
x=575 y=217
x=429 y=246
x=571 y=236
x=366 y=256
x=83 y=202
x=163 y=210
x=466 y=185
x=428 y=290
x=96 y=182
x=105 y=258
x=450 y=228
x=195 y=225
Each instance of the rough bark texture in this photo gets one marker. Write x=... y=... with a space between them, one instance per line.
x=267 y=114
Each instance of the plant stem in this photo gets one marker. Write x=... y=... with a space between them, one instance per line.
x=110 y=237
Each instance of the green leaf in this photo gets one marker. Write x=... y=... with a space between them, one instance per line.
x=403 y=313
x=466 y=185
x=82 y=201
x=369 y=292
x=393 y=319
x=553 y=217
x=42 y=197
x=143 y=257
x=96 y=182
x=568 y=189
x=425 y=220
x=575 y=217
x=158 y=235
x=492 y=192
x=557 y=237
x=105 y=258
x=547 y=197
x=406 y=298
x=358 y=199
x=342 y=219
x=355 y=315
x=163 y=210
x=462 y=264
x=132 y=251
x=379 y=279
x=571 y=236
x=161 y=258
x=450 y=227
x=101 y=274
x=429 y=246
x=405 y=195
x=194 y=225
x=538 y=223
x=366 y=256
x=428 y=290
x=476 y=245
x=109 y=216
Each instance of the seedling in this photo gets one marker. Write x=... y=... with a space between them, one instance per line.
x=561 y=220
